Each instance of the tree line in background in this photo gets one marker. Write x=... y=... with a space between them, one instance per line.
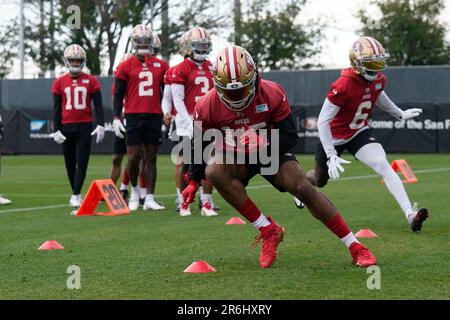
x=410 y=30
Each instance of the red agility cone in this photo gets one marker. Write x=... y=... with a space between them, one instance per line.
x=51 y=245
x=235 y=220
x=365 y=233
x=199 y=266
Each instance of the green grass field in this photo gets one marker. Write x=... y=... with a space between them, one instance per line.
x=143 y=255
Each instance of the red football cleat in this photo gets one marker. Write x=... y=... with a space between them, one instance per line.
x=271 y=235
x=362 y=257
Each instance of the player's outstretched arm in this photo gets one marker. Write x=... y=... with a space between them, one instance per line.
x=387 y=105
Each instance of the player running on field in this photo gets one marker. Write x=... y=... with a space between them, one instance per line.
x=241 y=100
x=343 y=124
x=72 y=95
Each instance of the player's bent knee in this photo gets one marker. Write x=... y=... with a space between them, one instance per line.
x=304 y=190
x=214 y=173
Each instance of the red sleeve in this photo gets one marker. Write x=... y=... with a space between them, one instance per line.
x=120 y=72
x=55 y=87
x=282 y=107
x=168 y=76
x=95 y=84
x=338 y=92
x=178 y=75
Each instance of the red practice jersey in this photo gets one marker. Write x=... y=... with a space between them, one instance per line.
x=76 y=96
x=143 y=83
x=269 y=105
x=356 y=97
x=197 y=81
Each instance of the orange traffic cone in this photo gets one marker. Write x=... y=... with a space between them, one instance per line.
x=199 y=266
x=365 y=233
x=51 y=245
x=404 y=168
x=235 y=220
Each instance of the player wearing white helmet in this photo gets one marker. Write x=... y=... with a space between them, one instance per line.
x=139 y=79
x=72 y=95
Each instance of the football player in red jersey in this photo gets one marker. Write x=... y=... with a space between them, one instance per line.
x=343 y=124
x=241 y=100
x=139 y=78
x=72 y=95
x=191 y=79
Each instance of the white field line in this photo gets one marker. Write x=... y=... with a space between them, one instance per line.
x=368 y=176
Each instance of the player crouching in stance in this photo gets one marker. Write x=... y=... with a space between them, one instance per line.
x=72 y=95
x=241 y=100
x=343 y=124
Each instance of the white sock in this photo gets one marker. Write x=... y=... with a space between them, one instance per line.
x=179 y=195
x=349 y=239
x=134 y=192
x=150 y=197
x=261 y=222
x=142 y=192
x=205 y=197
x=123 y=186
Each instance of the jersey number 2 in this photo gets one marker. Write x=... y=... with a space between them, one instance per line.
x=145 y=85
x=360 y=118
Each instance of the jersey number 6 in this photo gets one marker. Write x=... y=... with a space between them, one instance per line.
x=360 y=117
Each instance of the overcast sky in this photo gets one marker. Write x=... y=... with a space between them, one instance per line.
x=339 y=34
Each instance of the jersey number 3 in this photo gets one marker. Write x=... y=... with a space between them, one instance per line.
x=361 y=115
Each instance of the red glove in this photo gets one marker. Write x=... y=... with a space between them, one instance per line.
x=251 y=141
x=190 y=191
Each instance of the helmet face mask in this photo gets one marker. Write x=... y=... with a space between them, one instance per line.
x=74 y=58
x=200 y=49
x=368 y=58
x=196 y=44
x=235 y=80
x=142 y=40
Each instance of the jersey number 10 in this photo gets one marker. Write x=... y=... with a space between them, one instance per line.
x=79 y=99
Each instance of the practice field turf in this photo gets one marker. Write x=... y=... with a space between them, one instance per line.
x=143 y=255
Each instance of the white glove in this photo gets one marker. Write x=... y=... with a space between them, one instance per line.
x=411 y=113
x=185 y=127
x=119 y=128
x=100 y=132
x=58 y=137
x=334 y=166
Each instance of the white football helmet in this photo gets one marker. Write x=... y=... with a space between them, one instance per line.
x=75 y=58
x=196 y=43
x=142 y=40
